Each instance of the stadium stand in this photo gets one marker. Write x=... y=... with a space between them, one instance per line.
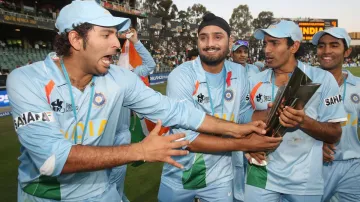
x=12 y=57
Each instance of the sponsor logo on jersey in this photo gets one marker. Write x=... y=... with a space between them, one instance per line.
x=61 y=106
x=202 y=99
x=333 y=100
x=31 y=117
x=262 y=98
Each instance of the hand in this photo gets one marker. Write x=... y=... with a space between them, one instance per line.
x=262 y=114
x=291 y=118
x=160 y=148
x=255 y=143
x=328 y=152
x=134 y=38
x=258 y=156
x=257 y=127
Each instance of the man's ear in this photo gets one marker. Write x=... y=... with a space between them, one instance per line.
x=295 y=47
x=347 y=52
x=75 y=40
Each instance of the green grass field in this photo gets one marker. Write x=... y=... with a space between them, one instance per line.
x=141 y=183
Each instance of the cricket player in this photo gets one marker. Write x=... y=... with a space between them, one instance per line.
x=66 y=113
x=294 y=169
x=123 y=137
x=341 y=169
x=240 y=55
x=219 y=88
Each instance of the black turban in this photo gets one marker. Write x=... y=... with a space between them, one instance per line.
x=211 y=19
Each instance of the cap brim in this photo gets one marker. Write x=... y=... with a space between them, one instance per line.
x=318 y=35
x=120 y=23
x=235 y=47
x=260 y=34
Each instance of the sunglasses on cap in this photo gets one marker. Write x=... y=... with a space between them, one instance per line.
x=242 y=43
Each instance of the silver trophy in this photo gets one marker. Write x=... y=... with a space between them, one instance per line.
x=297 y=92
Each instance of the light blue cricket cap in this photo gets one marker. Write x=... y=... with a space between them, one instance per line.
x=336 y=32
x=238 y=44
x=283 y=29
x=89 y=11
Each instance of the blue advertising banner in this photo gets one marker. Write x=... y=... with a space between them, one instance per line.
x=158 y=78
x=5 y=114
x=4 y=100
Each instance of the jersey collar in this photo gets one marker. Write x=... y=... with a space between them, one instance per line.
x=53 y=70
x=201 y=74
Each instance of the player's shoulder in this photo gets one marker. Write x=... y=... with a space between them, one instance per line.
x=316 y=74
x=355 y=80
x=186 y=69
x=29 y=74
x=235 y=67
x=253 y=66
x=119 y=74
x=237 y=70
x=260 y=76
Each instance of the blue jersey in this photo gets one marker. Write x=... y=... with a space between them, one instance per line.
x=251 y=69
x=44 y=122
x=349 y=145
x=123 y=135
x=188 y=83
x=295 y=167
x=145 y=69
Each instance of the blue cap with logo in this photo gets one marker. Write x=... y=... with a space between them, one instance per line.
x=79 y=12
x=238 y=44
x=283 y=29
x=336 y=32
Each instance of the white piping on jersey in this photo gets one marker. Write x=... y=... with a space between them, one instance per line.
x=338 y=120
x=45 y=68
x=49 y=166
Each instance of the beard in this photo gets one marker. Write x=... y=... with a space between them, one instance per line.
x=213 y=60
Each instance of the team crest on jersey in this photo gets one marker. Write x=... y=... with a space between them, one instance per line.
x=355 y=98
x=99 y=99
x=333 y=100
x=229 y=95
x=30 y=117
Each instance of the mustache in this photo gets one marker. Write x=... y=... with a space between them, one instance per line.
x=210 y=48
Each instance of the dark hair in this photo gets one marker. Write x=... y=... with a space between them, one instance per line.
x=62 y=44
x=192 y=53
x=300 y=52
x=345 y=45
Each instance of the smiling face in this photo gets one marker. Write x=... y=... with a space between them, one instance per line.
x=101 y=45
x=331 y=52
x=213 y=43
